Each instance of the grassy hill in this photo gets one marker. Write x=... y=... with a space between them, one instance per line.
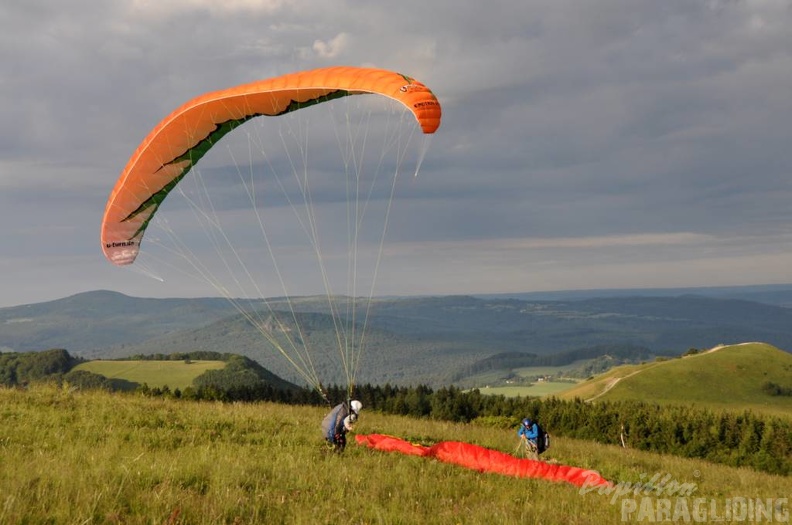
x=725 y=377
x=93 y=457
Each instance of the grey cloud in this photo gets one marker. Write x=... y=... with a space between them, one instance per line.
x=562 y=120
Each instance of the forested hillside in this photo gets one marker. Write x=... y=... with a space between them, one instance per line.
x=58 y=366
x=616 y=354
x=419 y=340
x=21 y=368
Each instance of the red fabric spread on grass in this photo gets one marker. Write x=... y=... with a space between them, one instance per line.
x=485 y=460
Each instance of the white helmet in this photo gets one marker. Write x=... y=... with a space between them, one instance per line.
x=356 y=406
x=348 y=423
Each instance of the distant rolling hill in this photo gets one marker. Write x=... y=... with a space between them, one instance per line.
x=729 y=376
x=775 y=294
x=411 y=340
x=388 y=358
x=92 y=321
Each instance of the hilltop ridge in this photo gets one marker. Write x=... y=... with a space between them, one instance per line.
x=723 y=376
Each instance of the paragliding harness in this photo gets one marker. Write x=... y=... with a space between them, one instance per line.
x=542 y=439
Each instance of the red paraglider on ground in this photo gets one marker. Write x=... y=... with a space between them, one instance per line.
x=485 y=460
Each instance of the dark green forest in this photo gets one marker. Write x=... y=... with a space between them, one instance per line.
x=20 y=368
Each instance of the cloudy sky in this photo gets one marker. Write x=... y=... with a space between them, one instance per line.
x=584 y=145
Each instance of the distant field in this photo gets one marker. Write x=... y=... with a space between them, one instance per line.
x=174 y=374
x=544 y=388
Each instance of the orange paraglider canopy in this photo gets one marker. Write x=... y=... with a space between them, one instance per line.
x=183 y=137
x=485 y=460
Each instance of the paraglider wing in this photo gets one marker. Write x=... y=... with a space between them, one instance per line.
x=486 y=460
x=180 y=140
x=391 y=444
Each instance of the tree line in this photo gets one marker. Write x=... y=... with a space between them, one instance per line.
x=748 y=439
x=745 y=439
x=20 y=368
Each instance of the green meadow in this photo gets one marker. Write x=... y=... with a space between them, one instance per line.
x=174 y=374
x=92 y=457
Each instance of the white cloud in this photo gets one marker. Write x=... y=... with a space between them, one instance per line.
x=332 y=48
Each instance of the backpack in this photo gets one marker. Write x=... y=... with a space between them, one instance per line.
x=542 y=439
x=331 y=420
